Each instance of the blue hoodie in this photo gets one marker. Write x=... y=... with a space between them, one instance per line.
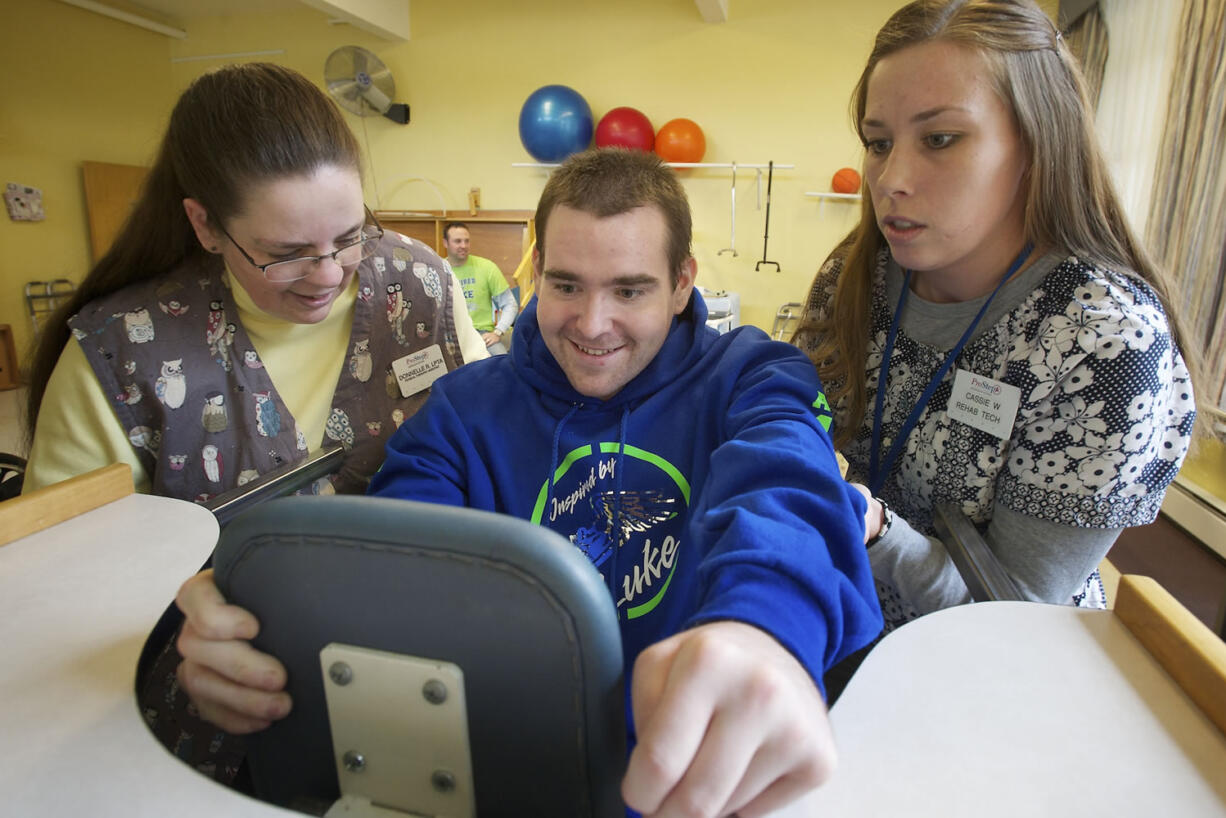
x=731 y=504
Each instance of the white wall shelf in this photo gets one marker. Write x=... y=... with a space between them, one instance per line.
x=736 y=165
x=838 y=197
x=757 y=168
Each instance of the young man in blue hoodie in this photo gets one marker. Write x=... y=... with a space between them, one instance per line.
x=692 y=468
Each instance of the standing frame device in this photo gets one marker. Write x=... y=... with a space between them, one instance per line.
x=441 y=660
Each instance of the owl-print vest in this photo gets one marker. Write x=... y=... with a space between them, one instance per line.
x=201 y=412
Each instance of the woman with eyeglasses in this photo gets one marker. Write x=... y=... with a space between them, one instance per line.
x=251 y=311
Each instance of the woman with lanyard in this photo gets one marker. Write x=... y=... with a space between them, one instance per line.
x=991 y=334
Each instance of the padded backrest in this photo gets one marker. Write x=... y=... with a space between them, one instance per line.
x=516 y=606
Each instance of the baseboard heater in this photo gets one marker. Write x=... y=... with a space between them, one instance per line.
x=1198 y=512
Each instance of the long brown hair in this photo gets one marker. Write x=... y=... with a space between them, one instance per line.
x=233 y=128
x=1070 y=201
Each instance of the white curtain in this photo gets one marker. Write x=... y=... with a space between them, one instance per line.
x=1132 y=104
x=1187 y=219
x=1087 y=39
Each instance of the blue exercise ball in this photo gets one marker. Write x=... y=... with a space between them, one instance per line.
x=554 y=123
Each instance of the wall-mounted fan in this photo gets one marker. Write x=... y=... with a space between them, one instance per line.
x=361 y=84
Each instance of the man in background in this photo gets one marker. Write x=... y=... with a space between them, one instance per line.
x=485 y=288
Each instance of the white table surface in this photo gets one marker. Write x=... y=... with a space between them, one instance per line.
x=992 y=709
x=1011 y=708
x=76 y=603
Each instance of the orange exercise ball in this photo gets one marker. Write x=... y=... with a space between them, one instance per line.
x=680 y=140
x=846 y=180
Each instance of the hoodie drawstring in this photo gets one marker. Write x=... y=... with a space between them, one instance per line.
x=617 y=513
x=553 y=457
x=619 y=467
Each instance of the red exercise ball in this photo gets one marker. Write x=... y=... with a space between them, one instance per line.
x=625 y=128
x=846 y=180
x=681 y=140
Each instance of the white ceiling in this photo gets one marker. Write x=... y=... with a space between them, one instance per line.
x=713 y=11
x=388 y=19
x=385 y=18
x=182 y=10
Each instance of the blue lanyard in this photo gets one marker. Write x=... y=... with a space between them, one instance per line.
x=877 y=471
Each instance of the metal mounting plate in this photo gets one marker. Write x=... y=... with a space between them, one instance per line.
x=402 y=723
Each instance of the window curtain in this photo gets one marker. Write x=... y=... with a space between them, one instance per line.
x=1136 y=86
x=1186 y=228
x=1087 y=39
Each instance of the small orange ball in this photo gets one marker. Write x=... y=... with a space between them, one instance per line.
x=846 y=180
x=680 y=140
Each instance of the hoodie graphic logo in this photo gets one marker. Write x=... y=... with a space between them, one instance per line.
x=821 y=411
x=643 y=516
x=639 y=511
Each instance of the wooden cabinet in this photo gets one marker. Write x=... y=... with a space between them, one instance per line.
x=502 y=236
x=110 y=192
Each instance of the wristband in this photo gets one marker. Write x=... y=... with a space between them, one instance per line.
x=887 y=520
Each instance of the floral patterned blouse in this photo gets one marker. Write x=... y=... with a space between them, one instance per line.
x=1106 y=405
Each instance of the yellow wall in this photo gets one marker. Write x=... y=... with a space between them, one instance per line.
x=772 y=83
x=76 y=86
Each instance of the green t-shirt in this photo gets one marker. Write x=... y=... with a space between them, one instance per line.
x=481 y=280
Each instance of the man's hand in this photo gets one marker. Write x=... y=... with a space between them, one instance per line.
x=874 y=515
x=491 y=337
x=232 y=684
x=728 y=722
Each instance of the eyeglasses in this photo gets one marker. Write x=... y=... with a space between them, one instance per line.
x=293 y=269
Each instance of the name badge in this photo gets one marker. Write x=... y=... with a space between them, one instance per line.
x=984 y=403
x=417 y=371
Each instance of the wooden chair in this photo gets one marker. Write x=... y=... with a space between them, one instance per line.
x=56 y=503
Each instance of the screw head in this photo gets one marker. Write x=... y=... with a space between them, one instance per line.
x=434 y=691
x=340 y=673
x=354 y=761
x=443 y=781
